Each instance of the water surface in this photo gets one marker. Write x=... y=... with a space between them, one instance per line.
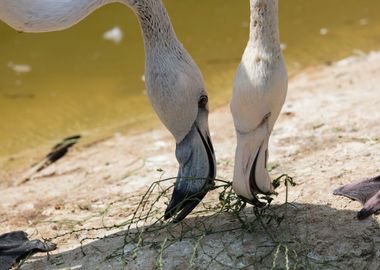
x=54 y=85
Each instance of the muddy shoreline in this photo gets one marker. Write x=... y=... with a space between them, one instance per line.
x=328 y=135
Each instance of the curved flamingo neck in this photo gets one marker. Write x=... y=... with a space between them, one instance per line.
x=156 y=27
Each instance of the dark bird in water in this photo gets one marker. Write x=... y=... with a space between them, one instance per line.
x=15 y=247
x=366 y=191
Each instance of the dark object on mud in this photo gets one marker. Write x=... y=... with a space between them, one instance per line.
x=367 y=192
x=15 y=247
x=57 y=152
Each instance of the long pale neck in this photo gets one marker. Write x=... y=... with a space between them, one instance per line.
x=155 y=24
x=264 y=33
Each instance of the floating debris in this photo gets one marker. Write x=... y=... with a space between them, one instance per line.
x=115 y=35
x=19 y=68
x=323 y=31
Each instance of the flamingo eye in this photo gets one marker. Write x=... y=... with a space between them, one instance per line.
x=203 y=100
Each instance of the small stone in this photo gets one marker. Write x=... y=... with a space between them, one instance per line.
x=127 y=250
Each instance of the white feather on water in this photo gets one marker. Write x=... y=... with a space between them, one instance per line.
x=19 y=68
x=323 y=31
x=115 y=35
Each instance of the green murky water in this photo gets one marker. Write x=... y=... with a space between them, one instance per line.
x=56 y=84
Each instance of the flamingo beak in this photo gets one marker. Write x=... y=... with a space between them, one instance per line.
x=196 y=158
x=370 y=207
x=367 y=192
x=250 y=173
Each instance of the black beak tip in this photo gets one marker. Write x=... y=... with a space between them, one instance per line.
x=173 y=207
x=364 y=213
x=171 y=211
x=179 y=209
x=338 y=191
x=254 y=201
x=181 y=204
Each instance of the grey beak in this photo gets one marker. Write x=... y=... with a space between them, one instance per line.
x=196 y=158
x=253 y=186
x=367 y=192
x=250 y=172
x=370 y=207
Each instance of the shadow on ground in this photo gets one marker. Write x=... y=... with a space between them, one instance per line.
x=309 y=237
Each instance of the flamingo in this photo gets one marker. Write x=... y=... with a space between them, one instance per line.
x=174 y=84
x=260 y=88
x=366 y=191
x=259 y=92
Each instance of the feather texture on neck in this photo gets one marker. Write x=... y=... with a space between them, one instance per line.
x=264 y=33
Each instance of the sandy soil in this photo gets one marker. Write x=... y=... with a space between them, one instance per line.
x=328 y=135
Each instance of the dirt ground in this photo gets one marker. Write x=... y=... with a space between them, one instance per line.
x=328 y=135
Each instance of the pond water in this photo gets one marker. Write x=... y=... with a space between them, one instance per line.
x=54 y=85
